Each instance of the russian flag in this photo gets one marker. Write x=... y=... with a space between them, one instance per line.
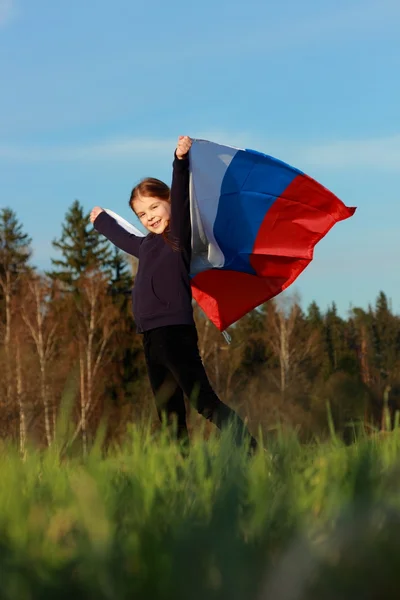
x=255 y=223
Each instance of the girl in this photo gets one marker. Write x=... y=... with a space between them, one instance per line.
x=162 y=296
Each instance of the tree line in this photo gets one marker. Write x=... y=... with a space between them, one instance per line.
x=71 y=330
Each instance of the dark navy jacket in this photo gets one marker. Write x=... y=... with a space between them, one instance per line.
x=162 y=293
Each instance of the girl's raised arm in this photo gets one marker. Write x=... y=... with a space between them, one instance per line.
x=180 y=208
x=120 y=237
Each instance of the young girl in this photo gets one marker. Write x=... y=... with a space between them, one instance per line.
x=162 y=297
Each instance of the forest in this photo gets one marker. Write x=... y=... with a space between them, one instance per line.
x=70 y=332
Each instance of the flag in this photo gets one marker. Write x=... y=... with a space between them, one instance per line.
x=255 y=223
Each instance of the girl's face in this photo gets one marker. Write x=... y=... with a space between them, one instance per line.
x=153 y=213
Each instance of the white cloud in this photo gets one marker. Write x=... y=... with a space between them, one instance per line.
x=110 y=149
x=379 y=154
x=7 y=11
x=105 y=150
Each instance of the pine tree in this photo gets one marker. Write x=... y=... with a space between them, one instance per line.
x=314 y=316
x=121 y=280
x=340 y=344
x=332 y=334
x=81 y=246
x=15 y=246
x=127 y=364
x=15 y=253
x=362 y=323
x=387 y=331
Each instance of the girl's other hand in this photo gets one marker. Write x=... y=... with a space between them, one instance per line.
x=183 y=146
x=95 y=213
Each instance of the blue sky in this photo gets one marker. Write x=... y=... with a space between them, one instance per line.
x=94 y=95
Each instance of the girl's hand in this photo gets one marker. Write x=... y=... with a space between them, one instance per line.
x=183 y=146
x=95 y=213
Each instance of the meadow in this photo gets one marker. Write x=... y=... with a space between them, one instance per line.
x=149 y=520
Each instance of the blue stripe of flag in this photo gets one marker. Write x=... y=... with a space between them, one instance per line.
x=250 y=186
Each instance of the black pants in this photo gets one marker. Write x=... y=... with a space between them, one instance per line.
x=176 y=370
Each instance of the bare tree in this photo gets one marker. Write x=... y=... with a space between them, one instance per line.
x=20 y=399
x=96 y=324
x=42 y=326
x=221 y=359
x=288 y=347
x=283 y=320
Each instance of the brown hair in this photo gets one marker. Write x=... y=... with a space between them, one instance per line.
x=150 y=187
x=154 y=188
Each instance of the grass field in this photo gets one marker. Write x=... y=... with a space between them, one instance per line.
x=147 y=522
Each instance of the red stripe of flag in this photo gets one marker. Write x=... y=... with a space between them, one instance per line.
x=284 y=246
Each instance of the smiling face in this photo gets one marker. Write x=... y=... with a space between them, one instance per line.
x=154 y=213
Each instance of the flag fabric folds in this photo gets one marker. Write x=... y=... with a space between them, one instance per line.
x=255 y=223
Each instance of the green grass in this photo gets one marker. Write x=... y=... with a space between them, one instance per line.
x=147 y=522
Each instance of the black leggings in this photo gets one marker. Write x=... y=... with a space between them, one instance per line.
x=175 y=369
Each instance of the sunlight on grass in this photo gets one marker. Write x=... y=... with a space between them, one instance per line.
x=152 y=520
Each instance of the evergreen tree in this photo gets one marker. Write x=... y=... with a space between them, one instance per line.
x=126 y=372
x=363 y=323
x=121 y=280
x=15 y=245
x=386 y=338
x=332 y=330
x=314 y=316
x=15 y=252
x=340 y=344
x=81 y=246
x=252 y=332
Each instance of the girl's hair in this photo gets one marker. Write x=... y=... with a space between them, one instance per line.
x=151 y=187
